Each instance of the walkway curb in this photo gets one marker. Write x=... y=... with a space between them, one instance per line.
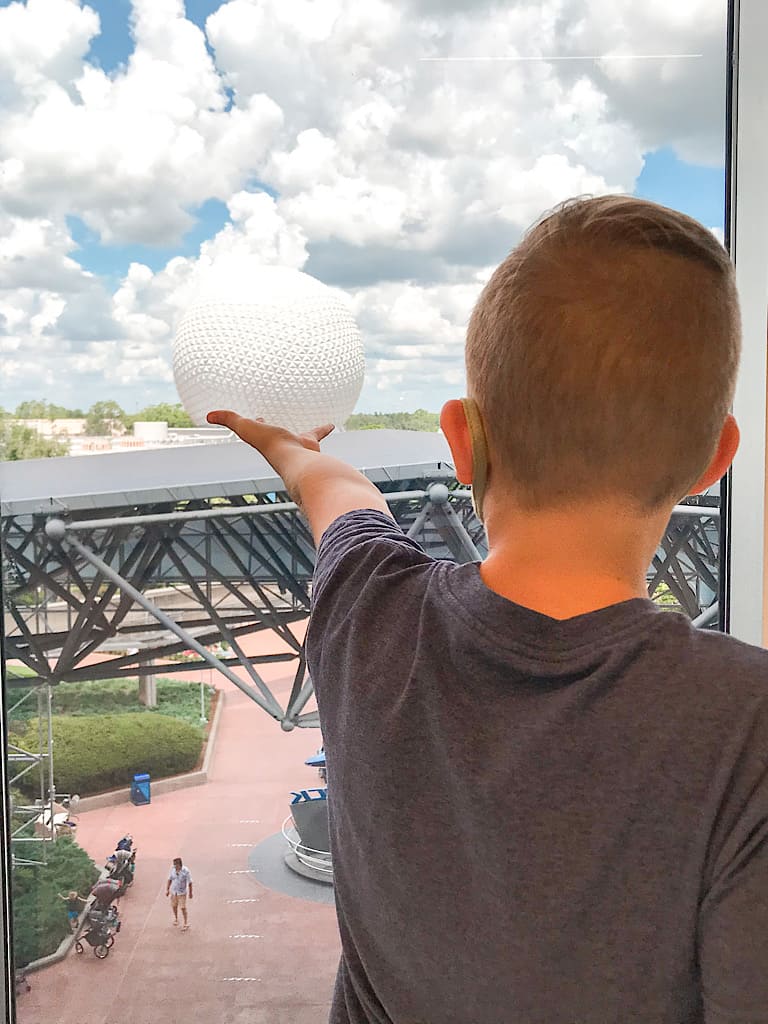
x=120 y=796
x=169 y=785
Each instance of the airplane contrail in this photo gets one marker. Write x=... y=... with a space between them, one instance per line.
x=547 y=60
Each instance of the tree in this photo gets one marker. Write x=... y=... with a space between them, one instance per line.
x=36 y=409
x=19 y=442
x=61 y=412
x=33 y=409
x=174 y=415
x=104 y=418
x=419 y=420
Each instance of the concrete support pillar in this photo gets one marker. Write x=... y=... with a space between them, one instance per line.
x=147 y=689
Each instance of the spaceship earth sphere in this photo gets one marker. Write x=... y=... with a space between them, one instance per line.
x=268 y=341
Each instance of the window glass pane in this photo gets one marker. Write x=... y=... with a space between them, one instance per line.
x=394 y=152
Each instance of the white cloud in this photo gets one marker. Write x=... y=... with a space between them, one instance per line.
x=130 y=152
x=42 y=43
x=401 y=179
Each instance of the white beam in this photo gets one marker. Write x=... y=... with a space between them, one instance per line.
x=749 y=246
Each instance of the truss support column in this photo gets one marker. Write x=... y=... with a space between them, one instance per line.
x=450 y=527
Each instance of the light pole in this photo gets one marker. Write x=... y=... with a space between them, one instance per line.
x=203 y=717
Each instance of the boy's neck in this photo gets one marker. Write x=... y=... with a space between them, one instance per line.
x=569 y=562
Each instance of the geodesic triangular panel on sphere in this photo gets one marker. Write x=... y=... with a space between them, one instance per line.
x=273 y=343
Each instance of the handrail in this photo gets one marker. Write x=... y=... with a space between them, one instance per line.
x=318 y=860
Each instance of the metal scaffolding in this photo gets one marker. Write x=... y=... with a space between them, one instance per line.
x=28 y=839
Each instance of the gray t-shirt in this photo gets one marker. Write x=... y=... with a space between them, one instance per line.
x=535 y=821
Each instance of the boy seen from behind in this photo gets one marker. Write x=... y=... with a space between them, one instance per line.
x=549 y=799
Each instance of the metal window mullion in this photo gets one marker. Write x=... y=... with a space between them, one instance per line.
x=748 y=228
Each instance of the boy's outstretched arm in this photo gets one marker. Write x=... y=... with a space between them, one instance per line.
x=323 y=487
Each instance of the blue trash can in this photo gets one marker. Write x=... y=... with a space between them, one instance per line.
x=140 y=790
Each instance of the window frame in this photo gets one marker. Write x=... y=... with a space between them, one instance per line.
x=743 y=567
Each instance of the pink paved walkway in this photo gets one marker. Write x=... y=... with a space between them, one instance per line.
x=156 y=974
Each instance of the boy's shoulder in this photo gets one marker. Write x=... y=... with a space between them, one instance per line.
x=738 y=662
x=720 y=670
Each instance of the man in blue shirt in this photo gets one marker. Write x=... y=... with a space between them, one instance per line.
x=178 y=886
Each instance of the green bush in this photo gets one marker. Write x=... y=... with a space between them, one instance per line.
x=100 y=752
x=39 y=916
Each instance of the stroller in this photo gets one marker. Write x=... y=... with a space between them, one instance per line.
x=122 y=867
x=100 y=924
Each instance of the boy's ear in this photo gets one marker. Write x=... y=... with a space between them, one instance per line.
x=453 y=423
x=726 y=449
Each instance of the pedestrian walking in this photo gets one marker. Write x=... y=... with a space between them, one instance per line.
x=179 y=886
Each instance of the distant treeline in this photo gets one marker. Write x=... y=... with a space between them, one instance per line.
x=19 y=441
x=104 y=416
x=419 y=420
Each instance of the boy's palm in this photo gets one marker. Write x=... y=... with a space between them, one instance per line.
x=261 y=435
x=322 y=486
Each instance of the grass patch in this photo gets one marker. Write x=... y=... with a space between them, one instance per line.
x=175 y=698
x=19 y=672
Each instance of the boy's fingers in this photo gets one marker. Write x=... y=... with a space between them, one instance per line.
x=224 y=418
x=246 y=429
x=318 y=433
x=249 y=429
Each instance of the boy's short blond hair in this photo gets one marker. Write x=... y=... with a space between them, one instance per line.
x=603 y=355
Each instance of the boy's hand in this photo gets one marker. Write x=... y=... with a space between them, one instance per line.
x=264 y=437
x=323 y=487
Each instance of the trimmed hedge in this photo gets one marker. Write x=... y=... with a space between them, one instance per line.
x=39 y=916
x=100 y=752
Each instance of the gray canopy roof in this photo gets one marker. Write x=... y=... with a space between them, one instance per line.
x=123 y=479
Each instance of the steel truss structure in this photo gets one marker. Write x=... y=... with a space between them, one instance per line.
x=157 y=574
x=171 y=581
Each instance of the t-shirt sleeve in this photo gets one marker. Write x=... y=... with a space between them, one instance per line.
x=352 y=548
x=733 y=920
x=360 y=587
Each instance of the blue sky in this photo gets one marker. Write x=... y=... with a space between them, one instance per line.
x=697 y=191
x=114 y=45
x=112 y=261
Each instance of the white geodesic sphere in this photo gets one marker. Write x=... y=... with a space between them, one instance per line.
x=271 y=342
